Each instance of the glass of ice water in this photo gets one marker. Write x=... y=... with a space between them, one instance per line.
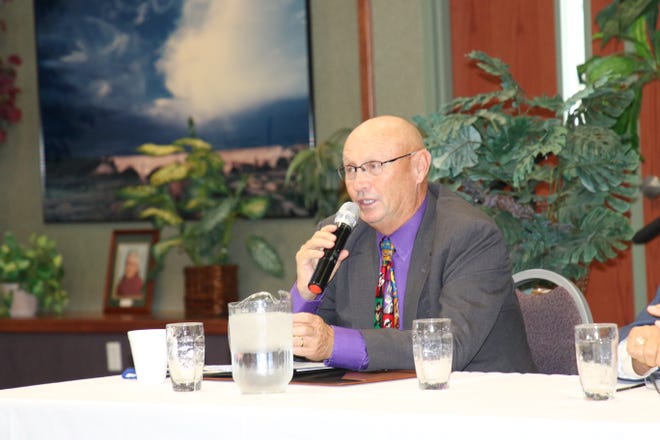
x=185 y=355
x=261 y=342
x=596 y=354
x=433 y=346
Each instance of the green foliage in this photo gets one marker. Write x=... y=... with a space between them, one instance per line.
x=5 y=302
x=559 y=187
x=194 y=199
x=314 y=171
x=45 y=274
x=37 y=268
x=13 y=260
x=633 y=22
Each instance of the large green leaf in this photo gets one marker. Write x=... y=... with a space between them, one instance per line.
x=595 y=151
x=615 y=19
x=217 y=215
x=169 y=173
x=457 y=153
x=255 y=207
x=265 y=256
x=167 y=217
x=137 y=192
x=159 y=150
x=161 y=248
x=314 y=171
x=558 y=189
x=616 y=66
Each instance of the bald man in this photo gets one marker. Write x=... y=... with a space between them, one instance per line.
x=450 y=260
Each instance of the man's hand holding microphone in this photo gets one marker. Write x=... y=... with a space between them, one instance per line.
x=316 y=262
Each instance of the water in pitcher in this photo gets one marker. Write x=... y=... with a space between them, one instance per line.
x=261 y=346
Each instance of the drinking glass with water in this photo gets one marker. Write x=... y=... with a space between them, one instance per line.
x=596 y=353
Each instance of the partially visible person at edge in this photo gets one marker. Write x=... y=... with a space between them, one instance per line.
x=130 y=285
x=639 y=346
x=450 y=260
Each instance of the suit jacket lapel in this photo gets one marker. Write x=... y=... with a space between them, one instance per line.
x=420 y=262
x=363 y=273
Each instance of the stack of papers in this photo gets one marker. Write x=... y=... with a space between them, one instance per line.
x=298 y=367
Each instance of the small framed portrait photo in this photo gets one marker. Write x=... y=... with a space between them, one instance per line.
x=129 y=288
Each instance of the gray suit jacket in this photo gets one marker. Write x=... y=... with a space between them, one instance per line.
x=459 y=269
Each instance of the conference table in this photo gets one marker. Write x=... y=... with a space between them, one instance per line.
x=476 y=405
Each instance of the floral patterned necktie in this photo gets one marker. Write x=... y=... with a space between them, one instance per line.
x=387 y=302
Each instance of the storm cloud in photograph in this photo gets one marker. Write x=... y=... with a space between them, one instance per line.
x=115 y=75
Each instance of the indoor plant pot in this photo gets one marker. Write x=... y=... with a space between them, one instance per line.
x=23 y=304
x=208 y=290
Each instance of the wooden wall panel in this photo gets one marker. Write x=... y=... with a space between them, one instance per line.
x=650 y=145
x=522 y=34
x=519 y=32
x=610 y=289
x=610 y=286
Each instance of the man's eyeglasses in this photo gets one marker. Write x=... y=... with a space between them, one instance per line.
x=653 y=381
x=373 y=167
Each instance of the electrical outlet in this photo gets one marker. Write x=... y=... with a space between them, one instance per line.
x=113 y=355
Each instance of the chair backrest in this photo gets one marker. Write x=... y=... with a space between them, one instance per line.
x=550 y=318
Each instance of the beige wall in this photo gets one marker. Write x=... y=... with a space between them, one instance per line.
x=399 y=89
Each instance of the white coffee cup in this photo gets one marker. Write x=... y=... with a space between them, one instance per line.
x=149 y=350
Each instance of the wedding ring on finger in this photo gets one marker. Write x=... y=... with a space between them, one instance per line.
x=640 y=341
x=302 y=342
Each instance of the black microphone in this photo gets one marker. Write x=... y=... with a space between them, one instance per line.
x=648 y=232
x=345 y=219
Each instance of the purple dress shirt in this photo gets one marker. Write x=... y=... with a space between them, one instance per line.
x=349 y=350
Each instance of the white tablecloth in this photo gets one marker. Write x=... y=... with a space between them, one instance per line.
x=477 y=405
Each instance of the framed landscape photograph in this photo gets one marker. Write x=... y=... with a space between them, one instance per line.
x=116 y=75
x=129 y=288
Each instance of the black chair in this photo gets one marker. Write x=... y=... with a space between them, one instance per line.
x=551 y=307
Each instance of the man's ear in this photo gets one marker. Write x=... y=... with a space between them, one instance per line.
x=422 y=161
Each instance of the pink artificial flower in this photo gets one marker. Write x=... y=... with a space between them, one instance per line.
x=14 y=59
x=13 y=114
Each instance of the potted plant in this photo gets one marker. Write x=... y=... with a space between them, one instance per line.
x=634 y=23
x=553 y=174
x=194 y=206
x=314 y=172
x=31 y=277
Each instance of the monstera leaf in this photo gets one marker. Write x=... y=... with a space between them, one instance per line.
x=558 y=184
